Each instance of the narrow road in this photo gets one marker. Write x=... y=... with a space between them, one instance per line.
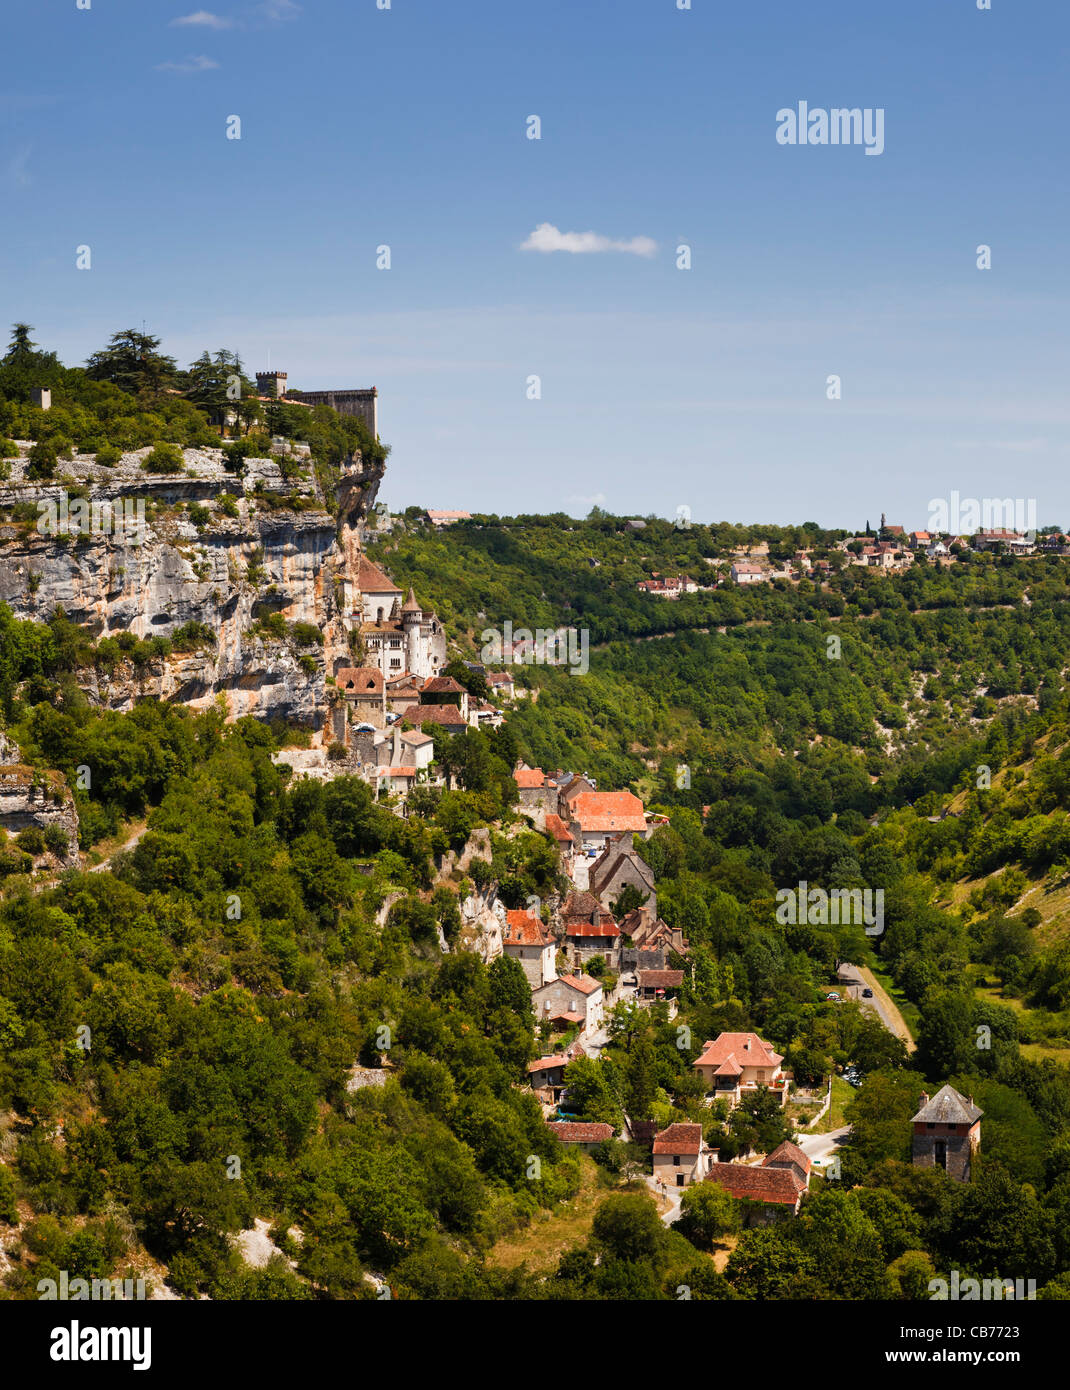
x=880 y=1004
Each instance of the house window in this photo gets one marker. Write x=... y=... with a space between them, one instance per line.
x=940 y=1153
x=395 y=663
x=676 y=1160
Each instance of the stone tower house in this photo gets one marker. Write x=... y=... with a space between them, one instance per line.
x=947 y=1130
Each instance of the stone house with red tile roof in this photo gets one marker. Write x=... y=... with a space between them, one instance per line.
x=778 y=1182
x=571 y=999
x=585 y=1135
x=596 y=818
x=735 y=1063
x=681 y=1157
x=524 y=938
x=588 y=929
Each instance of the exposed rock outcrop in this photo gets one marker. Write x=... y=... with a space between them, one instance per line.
x=123 y=550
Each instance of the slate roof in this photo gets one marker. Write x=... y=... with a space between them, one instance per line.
x=948 y=1107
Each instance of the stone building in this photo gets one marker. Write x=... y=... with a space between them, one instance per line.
x=947 y=1132
x=365 y=693
x=398 y=638
x=680 y=1155
x=524 y=938
x=618 y=867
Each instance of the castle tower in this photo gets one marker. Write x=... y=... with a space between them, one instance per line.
x=271 y=384
x=947 y=1131
x=412 y=618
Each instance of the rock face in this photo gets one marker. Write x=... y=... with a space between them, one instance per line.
x=29 y=798
x=123 y=550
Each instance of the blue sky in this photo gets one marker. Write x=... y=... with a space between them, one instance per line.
x=660 y=387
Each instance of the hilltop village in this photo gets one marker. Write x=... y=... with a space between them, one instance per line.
x=477 y=968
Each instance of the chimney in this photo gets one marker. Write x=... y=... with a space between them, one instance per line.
x=924 y=1099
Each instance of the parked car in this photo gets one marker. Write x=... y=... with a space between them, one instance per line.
x=835 y=997
x=867 y=994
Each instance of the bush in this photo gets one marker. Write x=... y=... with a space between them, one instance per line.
x=56 y=839
x=307 y=635
x=108 y=455
x=31 y=840
x=228 y=504
x=192 y=635
x=200 y=516
x=43 y=459
x=165 y=458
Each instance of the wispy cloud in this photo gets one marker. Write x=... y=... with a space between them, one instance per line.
x=546 y=238
x=198 y=64
x=203 y=19
x=17 y=174
x=278 y=10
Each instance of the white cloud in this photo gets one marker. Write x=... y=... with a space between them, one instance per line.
x=547 y=238
x=204 y=19
x=279 y=9
x=198 y=64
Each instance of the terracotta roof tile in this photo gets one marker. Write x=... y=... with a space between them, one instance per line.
x=679 y=1139
x=578 y=1132
x=779 y=1185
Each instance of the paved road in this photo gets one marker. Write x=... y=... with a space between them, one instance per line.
x=880 y=1004
x=671 y=1194
x=819 y=1146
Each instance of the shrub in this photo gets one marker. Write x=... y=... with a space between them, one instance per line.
x=56 y=839
x=307 y=635
x=43 y=459
x=165 y=458
x=200 y=516
x=31 y=840
x=108 y=455
x=228 y=504
x=192 y=635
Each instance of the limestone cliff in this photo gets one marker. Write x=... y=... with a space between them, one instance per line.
x=124 y=550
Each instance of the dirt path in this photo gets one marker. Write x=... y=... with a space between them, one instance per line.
x=128 y=845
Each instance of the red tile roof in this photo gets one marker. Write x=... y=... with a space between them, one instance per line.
x=584 y=983
x=443 y=685
x=447 y=715
x=523 y=928
x=679 y=1139
x=556 y=827
x=529 y=777
x=577 y=1132
x=660 y=979
x=779 y=1185
x=548 y=1063
x=745 y=1049
x=360 y=679
x=372 y=580
x=787 y=1152
x=599 y=812
x=605 y=928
